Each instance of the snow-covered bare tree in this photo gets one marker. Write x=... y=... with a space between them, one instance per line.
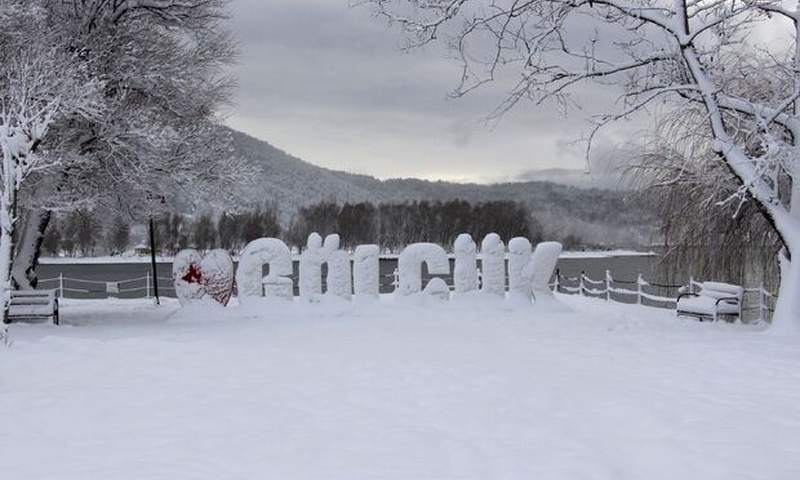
x=39 y=84
x=703 y=233
x=158 y=141
x=682 y=53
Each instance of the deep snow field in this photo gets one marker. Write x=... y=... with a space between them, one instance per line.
x=465 y=390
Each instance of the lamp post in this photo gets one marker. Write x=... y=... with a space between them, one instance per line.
x=153 y=260
x=162 y=199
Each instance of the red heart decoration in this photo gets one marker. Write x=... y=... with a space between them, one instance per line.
x=217 y=275
x=196 y=276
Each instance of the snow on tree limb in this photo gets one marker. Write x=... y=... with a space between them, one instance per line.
x=682 y=52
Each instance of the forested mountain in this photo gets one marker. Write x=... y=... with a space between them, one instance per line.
x=605 y=216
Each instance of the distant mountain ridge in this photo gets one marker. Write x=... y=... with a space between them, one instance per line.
x=292 y=183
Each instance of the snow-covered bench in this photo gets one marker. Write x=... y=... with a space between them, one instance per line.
x=33 y=304
x=715 y=299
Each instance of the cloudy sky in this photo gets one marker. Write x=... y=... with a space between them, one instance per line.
x=330 y=84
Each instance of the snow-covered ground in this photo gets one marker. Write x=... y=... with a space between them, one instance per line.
x=472 y=390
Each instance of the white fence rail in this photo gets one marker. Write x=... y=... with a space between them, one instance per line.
x=759 y=302
x=81 y=287
x=610 y=288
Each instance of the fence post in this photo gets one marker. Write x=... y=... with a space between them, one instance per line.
x=581 y=286
x=557 y=283
x=639 y=281
x=396 y=278
x=61 y=284
x=608 y=286
x=691 y=284
x=147 y=289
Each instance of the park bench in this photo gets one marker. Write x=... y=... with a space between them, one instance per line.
x=714 y=300
x=33 y=304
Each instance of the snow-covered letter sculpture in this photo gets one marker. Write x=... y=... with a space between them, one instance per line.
x=465 y=272
x=338 y=279
x=540 y=269
x=186 y=276
x=264 y=251
x=311 y=261
x=493 y=268
x=437 y=288
x=366 y=268
x=410 y=266
x=217 y=271
x=519 y=255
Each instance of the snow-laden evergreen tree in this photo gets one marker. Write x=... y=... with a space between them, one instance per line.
x=680 y=53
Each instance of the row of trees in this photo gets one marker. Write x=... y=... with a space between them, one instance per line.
x=392 y=226
x=230 y=231
x=82 y=232
x=396 y=225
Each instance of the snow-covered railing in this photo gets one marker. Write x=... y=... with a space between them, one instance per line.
x=610 y=287
x=139 y=287
x=134 y=287
x=759 y=301
x=765 y=300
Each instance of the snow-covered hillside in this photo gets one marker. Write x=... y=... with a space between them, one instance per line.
x=291 y=183
x=126 y=390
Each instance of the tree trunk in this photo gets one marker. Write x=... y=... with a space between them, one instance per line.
x=786 y=319
x=29 y=248
x=7 y=213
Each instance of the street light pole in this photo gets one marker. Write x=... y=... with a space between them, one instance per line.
x=153 y=260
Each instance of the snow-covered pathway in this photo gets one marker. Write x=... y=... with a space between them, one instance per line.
x=396 y=392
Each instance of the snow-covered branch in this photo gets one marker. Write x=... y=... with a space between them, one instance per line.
x=687 y=53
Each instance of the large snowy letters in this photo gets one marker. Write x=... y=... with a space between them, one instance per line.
x=493 y=265
x=311 y=262
x=249 y=277
x=519 y=254
x=410 y=266
x=196 y=276
x=366 y=267
x=338 y=279
x=465 y=272
x=540 y=269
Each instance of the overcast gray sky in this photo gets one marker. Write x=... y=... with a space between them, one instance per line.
x=330 y=84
